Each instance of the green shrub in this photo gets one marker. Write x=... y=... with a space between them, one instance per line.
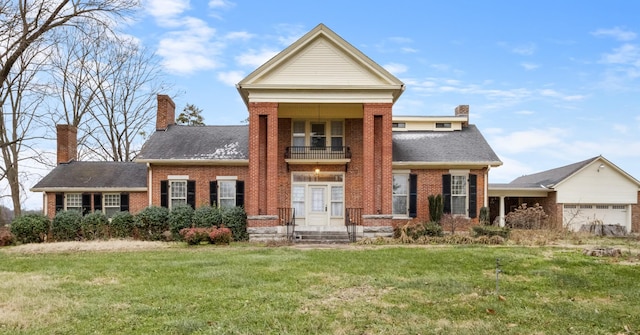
x=94 y=226
x=490 y=231
x=30 y=228
x=66 y=226
x=179 y=218
x=207 y=216
x=436 y=207
x=6 y=238
x=220 y=236
x=152 y=222
x=195 y=236
x=235 y=218
x=122 y=225
x=484 y=216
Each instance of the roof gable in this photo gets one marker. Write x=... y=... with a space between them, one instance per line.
x=320 y=59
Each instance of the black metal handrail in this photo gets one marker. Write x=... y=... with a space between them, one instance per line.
x=287 y=217
x=353 y=219
x=317 y=152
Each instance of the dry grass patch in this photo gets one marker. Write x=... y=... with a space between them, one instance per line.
x=30 y=299
x=110 y=245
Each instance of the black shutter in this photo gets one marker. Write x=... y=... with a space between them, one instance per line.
x=164 y=193
x=473 y=195
x=86 y=203
x=124 y=202
x=446 y=193
x=240 y=193
x=97 y=202
x=413 y=195
x=213 y=193
x=59 y=202
x=191 y=193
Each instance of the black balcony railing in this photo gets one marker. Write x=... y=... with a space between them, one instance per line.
x=317 y=153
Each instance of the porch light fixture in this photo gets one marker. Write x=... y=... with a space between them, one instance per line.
x=601 y=167
x=317 y=172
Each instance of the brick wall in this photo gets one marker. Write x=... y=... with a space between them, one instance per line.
x=67 y=143
x=202 y=174
x=429 y=182
x=166 y=112
x=137 y=202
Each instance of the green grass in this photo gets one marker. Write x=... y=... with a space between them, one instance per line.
x=361 y=290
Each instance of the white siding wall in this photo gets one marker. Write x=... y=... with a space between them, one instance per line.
x=322 y=64
x=592 y=187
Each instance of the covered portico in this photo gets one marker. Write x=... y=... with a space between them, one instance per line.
x=504 y=198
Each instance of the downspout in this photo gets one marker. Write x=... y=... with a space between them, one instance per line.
x=486 y=187
x=149 y=184
x=44 y=204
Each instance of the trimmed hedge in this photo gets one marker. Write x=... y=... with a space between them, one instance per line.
x=122 y=225
x=94 y=226
x=235 y=218
x=152 y=222
x=180 y=217
x=30 y=228
x=66 y=226
x=207 y=216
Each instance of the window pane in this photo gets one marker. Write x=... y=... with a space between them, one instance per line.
x=298 y=141
x=459 y=205
x=297 y=197
x=227 y=202
x=227 y=189
x=400 y=204
x=336 y=143
x=317 y=129
x=111 y=200
x=400 y=184
x=109 y=211
x=458 y=185
x=317 y=199
x=178 y=202
x=298 y=127
x=336 y=193
x=179 y=189
x=336 y=209
x=336 y=128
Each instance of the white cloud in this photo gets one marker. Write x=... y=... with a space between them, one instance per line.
x=617 y=33
x=620 y=128
x=231 y=78
x=166 y=10
x=396 y=68
x=239 y=35
x=529 y=66
x=525 y=112
x=255 y=58
x=525 y=49
x=220 y=4
x=190 y=49
x=527 y=141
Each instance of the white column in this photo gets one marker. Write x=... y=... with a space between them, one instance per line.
x=502 y=211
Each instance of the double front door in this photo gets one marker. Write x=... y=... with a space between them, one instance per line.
x=318 y=203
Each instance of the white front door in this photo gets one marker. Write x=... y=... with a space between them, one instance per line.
x=318 y=214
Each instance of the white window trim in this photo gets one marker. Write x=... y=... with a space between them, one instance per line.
x=465 y=174
x=404 y=173
x=178 y=177
x=227 y=178
x=219 y=191
x=66 y=201
x=104 y=202
x=170 y=195
x=328 y=131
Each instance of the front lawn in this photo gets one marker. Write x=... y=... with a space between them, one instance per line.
x=248 y=289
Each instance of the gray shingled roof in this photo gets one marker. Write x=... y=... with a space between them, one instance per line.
x=197 y=143
x=466 y=145
x=95 y=175
x=551 y=177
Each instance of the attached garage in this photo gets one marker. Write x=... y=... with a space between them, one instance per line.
x=576 y=215
x=594 y=191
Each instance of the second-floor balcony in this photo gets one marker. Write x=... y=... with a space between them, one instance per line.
x=317 y=154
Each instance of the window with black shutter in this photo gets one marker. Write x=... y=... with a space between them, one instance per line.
x=124 y=202
x=213 y=193
x=413 y=195
x=446 y=193
x=97 y=202
x=59 y=202
x=86 y=203
x=473 y=194
x=164 y=193
x=240 y=193
x=191 y=193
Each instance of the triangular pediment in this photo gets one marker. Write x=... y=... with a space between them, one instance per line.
x=321 y=60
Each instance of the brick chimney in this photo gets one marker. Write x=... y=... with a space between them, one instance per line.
x=463 y=110
x=67 y=143
x=166 y=112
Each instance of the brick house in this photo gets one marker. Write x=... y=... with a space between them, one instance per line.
x=322 y=144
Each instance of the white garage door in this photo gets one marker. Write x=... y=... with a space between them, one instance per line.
x=574 y=215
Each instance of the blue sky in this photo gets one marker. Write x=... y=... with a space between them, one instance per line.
x=549 y=83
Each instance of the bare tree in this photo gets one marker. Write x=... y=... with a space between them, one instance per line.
x=27 y=31
x=127 y=80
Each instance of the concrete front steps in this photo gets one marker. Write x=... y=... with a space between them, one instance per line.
x=321 y=235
